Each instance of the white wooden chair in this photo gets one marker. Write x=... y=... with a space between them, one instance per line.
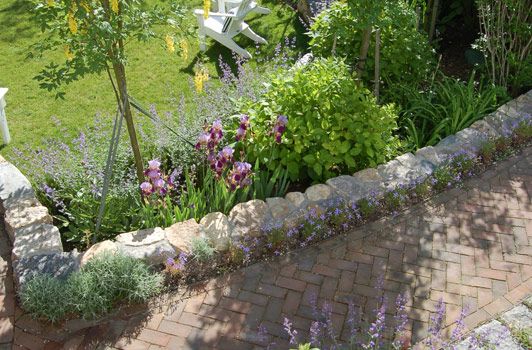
x=223 y=6
x=224 y=26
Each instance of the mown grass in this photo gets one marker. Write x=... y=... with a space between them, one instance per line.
x=151 y=73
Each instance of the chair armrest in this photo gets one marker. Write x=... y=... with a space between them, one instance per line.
x=213 y=14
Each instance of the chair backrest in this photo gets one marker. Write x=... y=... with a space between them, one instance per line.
x=241 y=9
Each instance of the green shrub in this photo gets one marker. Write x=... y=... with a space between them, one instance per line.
x=91 y=292
x=202 y=249
x=405 y=56
x=333 y=127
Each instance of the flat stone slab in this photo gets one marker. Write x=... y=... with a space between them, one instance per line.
x=497 y=334
x=518 y=317
x=36 y=239
x=149 y=244
x=58 y=265
x=141 y=237
x=14 y=186
x=19 y=216
x=154 y=253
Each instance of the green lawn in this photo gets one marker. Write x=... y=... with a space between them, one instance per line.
x=152 y=68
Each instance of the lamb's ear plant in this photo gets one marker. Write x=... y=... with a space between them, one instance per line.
x=91 y=292
x=202 y=249
x=45 y=297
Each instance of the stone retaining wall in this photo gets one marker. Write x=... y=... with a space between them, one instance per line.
x=37 y=245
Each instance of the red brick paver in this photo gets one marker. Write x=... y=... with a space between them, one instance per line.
x=467 y=246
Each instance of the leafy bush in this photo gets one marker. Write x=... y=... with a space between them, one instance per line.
x=444 y=108
x=333 y=127
x=91 y=292
x=406 y=55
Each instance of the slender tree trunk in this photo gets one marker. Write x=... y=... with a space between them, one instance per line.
x=120 y=76
x=364 y=46
x=433 y=20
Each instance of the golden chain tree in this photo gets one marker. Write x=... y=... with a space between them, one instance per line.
x=93 y=34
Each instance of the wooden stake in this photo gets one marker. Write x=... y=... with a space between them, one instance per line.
x=377 y=63
x=364 y=46
x=418 y=15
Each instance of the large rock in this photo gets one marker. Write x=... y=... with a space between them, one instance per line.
x=295 y=218
x=149 y=244
x=249 y=217
x=417 y=164
x=218 y=229
x=181 y=234
x=472 y=137
x=19 y=216
x=97 y=249
x=318 y=193
x=297 y=198
x=278 y=206
x=368 y=175
x=36 y=239
x=58 y=265
x=429 y=154
x=511 y=110
x=352 y=189
x=451 y=145
x=485 y=128
x=500 y=122
x=14 y=187
x=394 y=173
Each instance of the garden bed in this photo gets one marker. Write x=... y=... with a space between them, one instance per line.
x=341 y=204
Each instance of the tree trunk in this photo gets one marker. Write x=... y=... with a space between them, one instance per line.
x=120 y=76
x=364 y=46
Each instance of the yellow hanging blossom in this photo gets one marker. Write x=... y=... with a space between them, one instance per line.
x=51 y=3
x=114 y=6
x=200 y=77
x=84 y=4
x=170 y=43
x=72 y=23
x=184 y=47
x=68 y=54
x=206 y=8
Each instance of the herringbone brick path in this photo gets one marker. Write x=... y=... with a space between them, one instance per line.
x=471 y=245
x=467 y=246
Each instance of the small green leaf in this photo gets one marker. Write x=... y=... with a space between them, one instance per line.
x=317 y=168
x=309 y=158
